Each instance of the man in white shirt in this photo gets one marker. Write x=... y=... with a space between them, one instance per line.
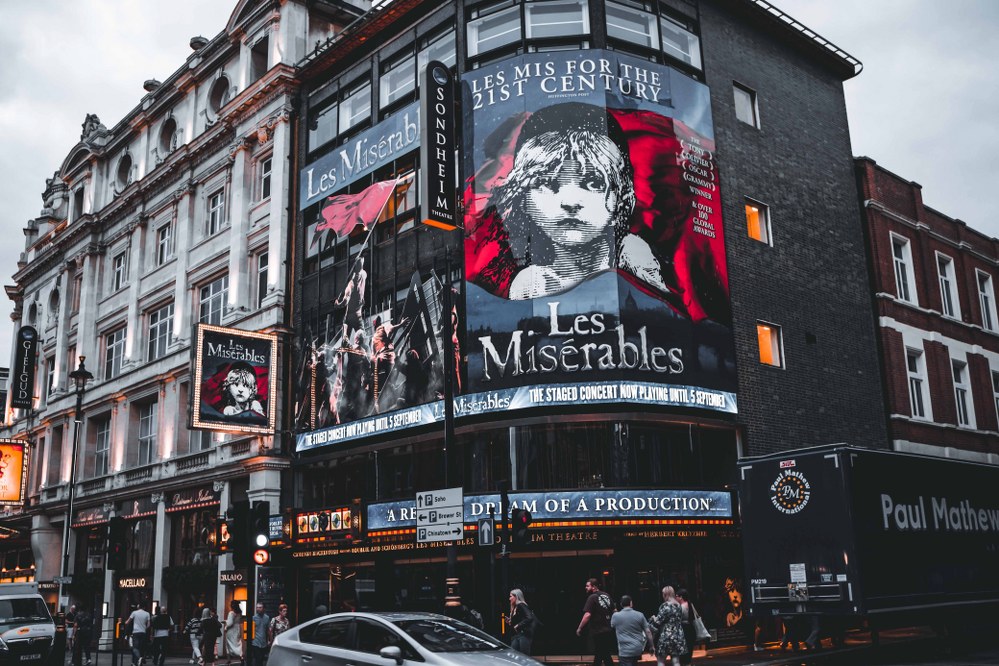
x=139 y=621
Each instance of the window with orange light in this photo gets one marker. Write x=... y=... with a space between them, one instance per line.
x=770 y=344
x=758 y=221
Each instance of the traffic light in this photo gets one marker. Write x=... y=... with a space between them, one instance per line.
x=233 y=534
x=117 y=543
x=520 y=520
x=259 y=532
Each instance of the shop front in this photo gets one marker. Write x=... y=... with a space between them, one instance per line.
x=90 y=530
x=134 y=584
x=633 y=540
x=190 y=577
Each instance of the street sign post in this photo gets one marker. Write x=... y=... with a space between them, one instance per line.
x=440 y=515
x=487 y=532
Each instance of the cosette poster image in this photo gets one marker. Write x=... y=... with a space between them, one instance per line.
x=234 y=380
x=594 y=248
x=13 y=472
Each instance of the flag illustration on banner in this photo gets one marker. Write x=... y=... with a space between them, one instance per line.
x=345 y=211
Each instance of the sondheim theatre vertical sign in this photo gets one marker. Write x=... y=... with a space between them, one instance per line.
x=23 y=390
x=437 y=154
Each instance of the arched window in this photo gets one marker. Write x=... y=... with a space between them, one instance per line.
x=168 y=137
x=123 y=176
x=217 y=97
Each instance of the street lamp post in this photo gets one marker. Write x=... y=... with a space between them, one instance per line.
x=80 y=377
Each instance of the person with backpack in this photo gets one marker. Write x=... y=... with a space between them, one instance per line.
x=162 y=626
x=83 y=635
x=211 y=631
x=522 y=622
x=193 y=632
x=596 y=617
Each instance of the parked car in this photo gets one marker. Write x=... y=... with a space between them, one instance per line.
x=389 y=638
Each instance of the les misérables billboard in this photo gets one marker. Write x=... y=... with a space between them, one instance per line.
x=594 y=261
x=594 y=254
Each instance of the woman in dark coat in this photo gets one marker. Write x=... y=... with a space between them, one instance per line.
x=666 y=624
x=211 y=631
x=522 y=623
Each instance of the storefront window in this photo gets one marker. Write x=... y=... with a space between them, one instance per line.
x=189 y=537
x=142 y=537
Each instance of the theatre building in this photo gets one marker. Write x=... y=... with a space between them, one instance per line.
x=657 y=266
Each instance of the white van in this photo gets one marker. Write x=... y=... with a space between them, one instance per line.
x=26 y=627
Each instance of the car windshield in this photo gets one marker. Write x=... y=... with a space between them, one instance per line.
x=28 y=609
x=445 y=635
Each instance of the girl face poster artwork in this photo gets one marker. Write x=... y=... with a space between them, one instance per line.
x=593 y=234
x=235 y=390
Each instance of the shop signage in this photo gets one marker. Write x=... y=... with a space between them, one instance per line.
x=357 y=158
x=25 y=350
x=193 y=498
x=232 y=577
x=13 y=472
x=134 y=583
x=324 y=523
x=234 y=380
x=437 y=154
x=555 y=506
x=140 y=507
x=94 y=515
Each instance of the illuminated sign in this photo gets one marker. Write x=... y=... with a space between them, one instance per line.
x=437 y=157
x=193 y=498
x=23 y=377
x=133 y=583
x=13 y=472
x=578 y=505
x=235 y=384
x=94 y=515
x=232 y=577
x=327 y=523
x=359 y=157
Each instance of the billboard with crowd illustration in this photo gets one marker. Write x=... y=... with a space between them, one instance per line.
x=594 y=251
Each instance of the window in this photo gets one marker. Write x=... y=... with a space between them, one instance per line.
x=102 y=446
x=216 y=212
x=948 y=299
x=262 y=260
x=213 y=298
x=258 y=58
x=960 y=370
x=632 y=24
x=680 y=43
x=77 y=203
x=771 y=347
x=323 y=126
x=50 y=381
x=371 y=637
x=995 y=390
x=168 y=138
x=74 y=295
x=556 y=18
x=355 y=107
x=160 y=328
x=758 y=221
x=114 y=352
x=218 y=96
x=916 y=372
x=987 y=301
x=330 y=633
x=147 y=433
x=398 y=80
x=119 y=271
x=200 y=440
x=490 y=30
x=901 y=252
x=123 y=176
x=745 y=105
x=440 y=48
x=164 y=244
x=264 y=169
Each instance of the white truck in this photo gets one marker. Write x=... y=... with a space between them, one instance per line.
x=27 y=630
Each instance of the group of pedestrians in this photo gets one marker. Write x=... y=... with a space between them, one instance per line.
x=669 y=633
x=205 y=632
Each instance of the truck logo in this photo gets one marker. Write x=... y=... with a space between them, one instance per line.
x=789 y=493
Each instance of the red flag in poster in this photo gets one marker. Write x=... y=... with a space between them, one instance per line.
x=345 y=211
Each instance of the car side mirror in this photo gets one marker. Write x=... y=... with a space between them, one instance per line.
x=391 y=652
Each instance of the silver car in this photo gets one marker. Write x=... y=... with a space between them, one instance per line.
x=344 y=639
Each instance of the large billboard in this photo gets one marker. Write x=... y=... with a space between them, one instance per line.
x=13 y=472
x=235 y=375
x=594 y=248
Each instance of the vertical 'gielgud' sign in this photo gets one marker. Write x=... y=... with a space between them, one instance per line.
x=23 y=384
x=437 y=151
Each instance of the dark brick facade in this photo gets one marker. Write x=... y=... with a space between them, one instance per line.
x=893 y=207
x=813 y=280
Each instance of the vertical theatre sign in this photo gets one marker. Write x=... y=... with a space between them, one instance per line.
x=23 y=391
x=235 y=376
x=437 y=156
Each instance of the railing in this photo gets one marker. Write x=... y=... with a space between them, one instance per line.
x=93 y=486
x=139 y=474
x=196 y=461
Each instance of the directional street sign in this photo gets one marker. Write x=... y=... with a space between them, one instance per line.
x=440 y=515
x=487 y=532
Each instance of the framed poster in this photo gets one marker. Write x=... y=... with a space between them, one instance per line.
x=13 y=472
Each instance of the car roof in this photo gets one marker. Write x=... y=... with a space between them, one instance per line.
x=391 y=616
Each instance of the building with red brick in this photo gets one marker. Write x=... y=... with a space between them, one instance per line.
x=933 y=282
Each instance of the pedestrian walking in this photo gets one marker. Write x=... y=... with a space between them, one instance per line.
x=233 y=643
x=596 y=618
x=211 y=631
x=193 y=632
x=259 y=643
x=633 y=633
x=687 y=623
x=523 y=623
x=82 y=636
x=666 y=624
x=162 y=626
x=70 y=619
x=279 y=624
x=137 y=625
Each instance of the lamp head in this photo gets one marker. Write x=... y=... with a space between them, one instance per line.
x=81 y=376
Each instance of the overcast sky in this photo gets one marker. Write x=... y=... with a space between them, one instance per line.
x=924 y=107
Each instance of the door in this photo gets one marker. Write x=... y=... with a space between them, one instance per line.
x=325 y=643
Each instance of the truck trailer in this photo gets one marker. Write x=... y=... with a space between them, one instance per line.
x=844 y=531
